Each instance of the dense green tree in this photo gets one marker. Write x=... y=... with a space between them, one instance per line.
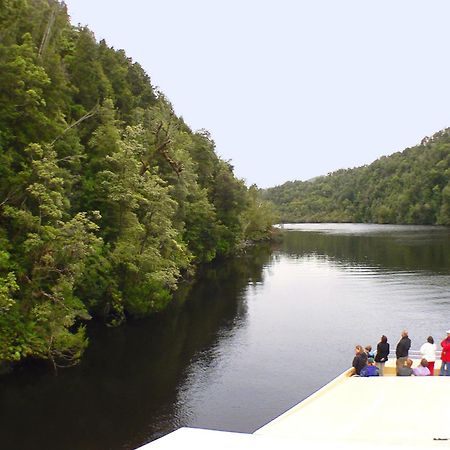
x=86 y=72
x=107 y=198
x=410 y=187
x=258 y=217
x=48 y=259
x=148 y=252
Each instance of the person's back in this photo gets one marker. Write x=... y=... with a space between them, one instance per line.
x=382 y=352
x=402 y=350
x=405 y=370
x=369 y=371
x=369 y=352
x=360 y=359
x=422 y=370
x=403 y=347
x=428 y=351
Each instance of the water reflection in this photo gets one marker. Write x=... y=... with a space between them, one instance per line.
x=249 y=339
x=126 y=391
x=383 y=247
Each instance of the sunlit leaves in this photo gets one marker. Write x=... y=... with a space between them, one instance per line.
x=107 y=198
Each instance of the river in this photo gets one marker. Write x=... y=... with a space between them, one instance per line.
x=252 y=337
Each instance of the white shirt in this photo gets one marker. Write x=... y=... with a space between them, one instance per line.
x=428 y=351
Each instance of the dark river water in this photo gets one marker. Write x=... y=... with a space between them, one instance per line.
x=252 y=337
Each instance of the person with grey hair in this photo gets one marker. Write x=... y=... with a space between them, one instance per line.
x=402 y=350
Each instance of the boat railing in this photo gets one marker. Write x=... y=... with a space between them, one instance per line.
x=414 y=354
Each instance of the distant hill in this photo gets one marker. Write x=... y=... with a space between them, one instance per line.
x=408 y=187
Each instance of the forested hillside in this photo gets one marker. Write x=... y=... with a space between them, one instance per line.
x=107 y=198
x=409 y=187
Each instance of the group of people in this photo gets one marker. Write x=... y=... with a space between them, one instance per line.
x=366 y=363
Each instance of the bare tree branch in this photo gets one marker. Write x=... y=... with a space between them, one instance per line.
x=88 y=115
x=47 y=32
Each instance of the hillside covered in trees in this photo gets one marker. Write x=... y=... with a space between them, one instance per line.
x=107 y=198
x=409 y=187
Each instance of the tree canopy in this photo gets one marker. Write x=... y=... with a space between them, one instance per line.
x=409 y=187
x=107 y=198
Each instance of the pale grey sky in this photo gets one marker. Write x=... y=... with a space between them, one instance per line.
x=291 y=89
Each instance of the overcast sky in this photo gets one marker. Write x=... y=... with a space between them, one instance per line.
x=290 y=89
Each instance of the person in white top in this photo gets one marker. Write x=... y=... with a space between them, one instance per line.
x=428 y=352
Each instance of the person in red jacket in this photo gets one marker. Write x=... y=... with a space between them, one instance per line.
x=445 y=356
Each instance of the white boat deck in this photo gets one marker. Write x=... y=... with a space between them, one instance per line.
x=348 y=413
x=402 y=411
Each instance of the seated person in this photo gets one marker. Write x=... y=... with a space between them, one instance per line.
x=360 y=360
x=369 y=352
x=370 y=370
x=422 y=370
x=405 y=370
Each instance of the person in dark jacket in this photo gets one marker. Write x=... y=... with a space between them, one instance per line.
x=382 y=354
x=360 y=359
x=402 y=351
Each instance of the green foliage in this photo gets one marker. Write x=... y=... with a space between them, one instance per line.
x=201 y=226
x=22 y=104
x=38 y=314
x=148 y=252
x=411 y=187
x=107 y=198
x=259 y=217
x=8 y=286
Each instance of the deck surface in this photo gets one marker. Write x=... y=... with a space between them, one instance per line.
x=349 y=413
x=384 y=411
